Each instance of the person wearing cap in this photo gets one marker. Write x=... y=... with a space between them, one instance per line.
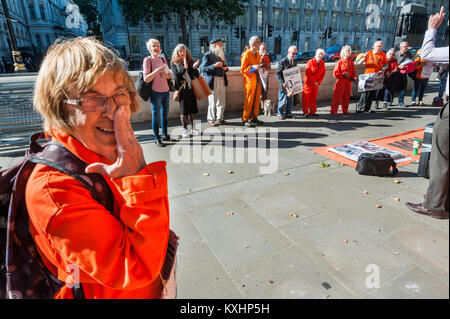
x=213 y=69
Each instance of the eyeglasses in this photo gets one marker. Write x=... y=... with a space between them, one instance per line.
x=98 y=102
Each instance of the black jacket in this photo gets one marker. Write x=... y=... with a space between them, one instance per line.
x=281 y=66
x=209 y=71
x=178 y=72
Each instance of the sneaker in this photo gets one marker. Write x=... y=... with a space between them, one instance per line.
x=249 y=124
x=315 y=115
x=281 y=117
x=421 y=103
x=158 y=142
x=385 y=106
x=166 y=138
x=185 y=133
x=305 y=116
x=404 y=105
x=372 y=111
x=195 y=132
x=413 y=103
x=389 y=104
x=212 y=123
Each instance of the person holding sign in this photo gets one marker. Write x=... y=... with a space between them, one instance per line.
x=344 y=72
x=285 y=100
x=314 y=74
x=250 y=63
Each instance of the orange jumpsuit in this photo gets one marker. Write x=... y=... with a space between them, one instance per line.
x=314 y=72
x=118 y=255
x=343 y=86
x=252 y=85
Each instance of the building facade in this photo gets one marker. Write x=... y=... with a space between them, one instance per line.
x=36 y=25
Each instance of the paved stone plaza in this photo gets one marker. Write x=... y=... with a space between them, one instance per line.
x=303 y=231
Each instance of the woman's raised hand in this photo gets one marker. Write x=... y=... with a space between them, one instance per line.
x=130 y=157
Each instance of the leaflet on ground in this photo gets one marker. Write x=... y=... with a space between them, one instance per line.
x=353 y=150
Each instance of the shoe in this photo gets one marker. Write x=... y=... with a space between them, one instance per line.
x=421 y=103
x=212 y=123
x=166 y=138
x=249 y=124
x=404 y=105
x=372 y=111
x=222 y=122
x=158 y=142
x=185 y=133
x=418 y=208
x=315 y=115
x=305 y=116
x=281 y=117
x=256 y=121
x=290 y=116
x=389 y=104
x=359 y=111
x=413 y=103
x=344 y=113
x=195 y=132
x=377 y=105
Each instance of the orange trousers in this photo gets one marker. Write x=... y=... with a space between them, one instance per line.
x=341 y=95
x=309 y=105
x=251 y=102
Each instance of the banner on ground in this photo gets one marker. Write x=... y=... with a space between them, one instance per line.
x=370 y=82
x=293 y=80
x=353 y=150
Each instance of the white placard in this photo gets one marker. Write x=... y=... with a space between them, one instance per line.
x=293 y=80
x=370 y=82
x=427 y=70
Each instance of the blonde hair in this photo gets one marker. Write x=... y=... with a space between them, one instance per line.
x=72 y=67
x=176 y=57
x=149 y=44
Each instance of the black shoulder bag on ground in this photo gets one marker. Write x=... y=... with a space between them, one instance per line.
x=143 y=88
x=376 y=164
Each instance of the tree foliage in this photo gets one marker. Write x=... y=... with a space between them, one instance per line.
x=88 y=8
x=150 y=11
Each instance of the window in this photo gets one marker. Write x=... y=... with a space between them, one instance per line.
x=259 y=16
x=204 y=45
x=277 y=45
x=277 y=17
x=293 y=19
x=31 y=11
x=42 y=11
x=307 y=41
x=38 y=41
x=47 y=38
x=225 y=44
x=335 y=3
x=134 y=40
x=349 y=4
x=334 y=21
x=202 y=23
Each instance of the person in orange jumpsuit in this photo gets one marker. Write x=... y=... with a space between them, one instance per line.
x=119 y=253
x=375 y=60
x=314 y=75
x=250 y=63
x=344 y=72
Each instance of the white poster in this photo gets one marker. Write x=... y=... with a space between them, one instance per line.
x=370 y=82
x=427 y=70
x=353 y=150
x=293 y=80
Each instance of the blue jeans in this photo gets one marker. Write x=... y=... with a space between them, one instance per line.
x=420 y=86
x=160 y=110
x=442 y=84
x=284 y=103
x=401 y=97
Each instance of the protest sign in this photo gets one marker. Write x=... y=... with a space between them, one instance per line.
x=293 y=80
x=370 y=82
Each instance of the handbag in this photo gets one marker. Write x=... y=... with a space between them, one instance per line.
x=201 y=88
x=376 y=164
x=168 y=272
x=143 y=88
x=176 y=93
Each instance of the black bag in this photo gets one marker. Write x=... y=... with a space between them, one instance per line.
x=143 y=88
x=376 y=164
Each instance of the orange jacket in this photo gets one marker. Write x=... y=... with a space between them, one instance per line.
x=314 y=72
x=375 y=62
x=345 y=66
x=419 y=67
x=119 y=255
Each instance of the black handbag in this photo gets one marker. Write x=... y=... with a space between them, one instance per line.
x=143 y=88
x=376 y=164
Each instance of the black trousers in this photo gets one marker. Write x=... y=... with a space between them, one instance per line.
x=365 y=101
x=437 y=194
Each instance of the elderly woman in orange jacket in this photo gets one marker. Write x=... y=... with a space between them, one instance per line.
x=314 y=74
x=344 y=72
x=86 y=97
